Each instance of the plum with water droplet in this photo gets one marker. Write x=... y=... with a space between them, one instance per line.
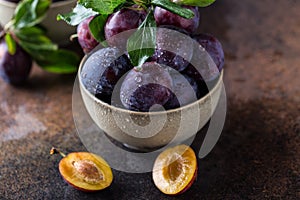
x=15 y=68
x=102 y=70
x=144 y=88
x=208 y=59
x=213 y=46
x=173 y=47
x=185 y=91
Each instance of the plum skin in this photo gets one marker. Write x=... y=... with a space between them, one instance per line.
x=85 y=37
x=214 y=49
x=16 y=68
x=165 y=17
x=102 y=70
x=213 y=46
x=182 y=52
x=111 y=76
x=142 y=89
x=120 y=21
x=187 y=91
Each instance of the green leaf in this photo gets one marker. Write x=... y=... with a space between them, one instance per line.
x=30 y=12
x=78 y=14
x=174 y=8
x=46 y=53
x=141 y=45
x=11 y=44
x=33 y=40
x=35 y=47
x=34 y=36
x=104 y=7
x=96 y=27
x=199 y=3
x=35 y=30
x=59 y=61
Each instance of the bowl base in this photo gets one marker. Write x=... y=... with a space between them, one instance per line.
x=131 y=148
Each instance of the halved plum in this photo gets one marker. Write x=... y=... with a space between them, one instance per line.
x=85 y=171
x=175 y=169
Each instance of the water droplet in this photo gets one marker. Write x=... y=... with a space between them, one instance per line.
x=138 y=79
x=201 y=48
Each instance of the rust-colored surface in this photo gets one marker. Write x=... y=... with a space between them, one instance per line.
x=257 y=157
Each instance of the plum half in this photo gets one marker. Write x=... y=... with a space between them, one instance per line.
x=175 y=170
x=85 y=171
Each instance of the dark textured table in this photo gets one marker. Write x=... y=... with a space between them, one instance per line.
x=257 y=156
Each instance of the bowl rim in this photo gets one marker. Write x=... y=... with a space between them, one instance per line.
x=13 y=5
x=185 y=107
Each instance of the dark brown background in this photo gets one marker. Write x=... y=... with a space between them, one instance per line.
x=257 y=156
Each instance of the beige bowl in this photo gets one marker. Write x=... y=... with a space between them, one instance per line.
x=58 y=31
x=151 y=130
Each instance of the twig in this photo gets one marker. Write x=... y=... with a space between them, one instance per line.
x=2 y=34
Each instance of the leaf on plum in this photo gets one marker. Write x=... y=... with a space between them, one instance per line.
x=199 y=3
x=174 y=8
x=141 y=45
x=96 y=27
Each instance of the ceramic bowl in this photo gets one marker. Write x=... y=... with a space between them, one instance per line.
x=58 y=31
x=150 y=130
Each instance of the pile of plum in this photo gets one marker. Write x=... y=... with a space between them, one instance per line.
x=166 y=79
